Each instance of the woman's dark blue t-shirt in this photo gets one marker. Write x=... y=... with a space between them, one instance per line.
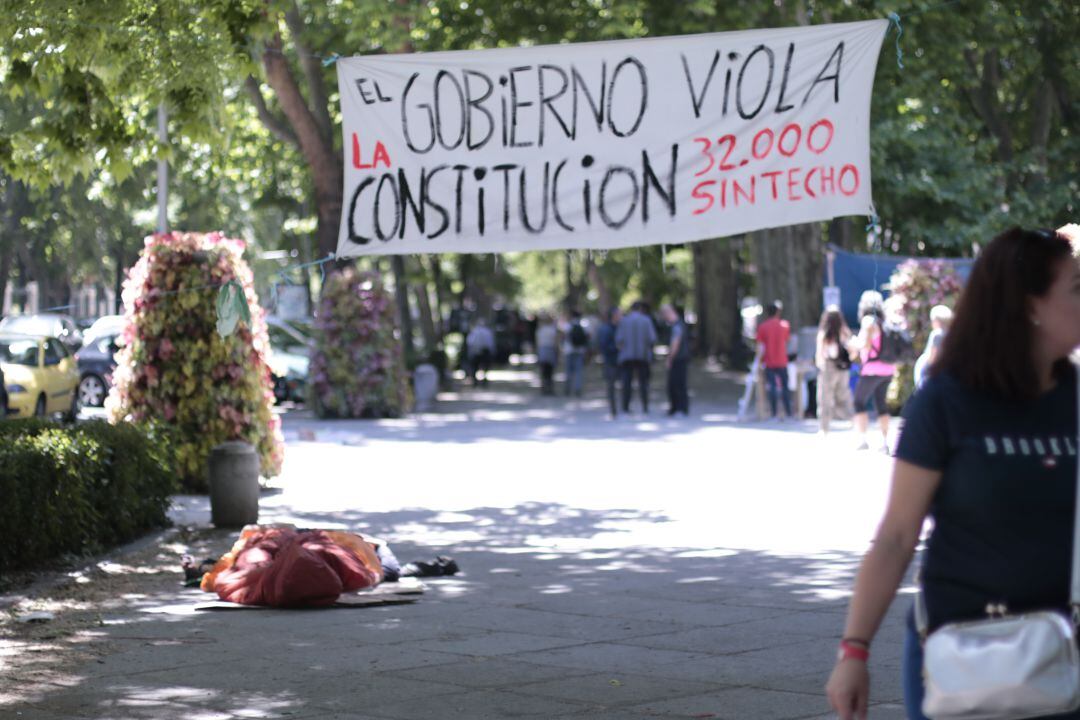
x=1003 y=512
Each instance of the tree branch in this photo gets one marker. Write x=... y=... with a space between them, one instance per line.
x=276 y=127
x=984 y=98
x=313 y=73
x=322 y=160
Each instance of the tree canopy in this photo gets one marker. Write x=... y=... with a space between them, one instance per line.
x=978 y=131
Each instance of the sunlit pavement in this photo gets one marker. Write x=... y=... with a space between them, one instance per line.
x=641 y=567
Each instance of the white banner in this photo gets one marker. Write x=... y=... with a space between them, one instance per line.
x=608 y=144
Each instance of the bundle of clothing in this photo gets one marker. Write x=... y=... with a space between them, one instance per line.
x=284 y=567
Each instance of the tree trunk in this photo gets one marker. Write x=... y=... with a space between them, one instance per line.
x=790 y=262
x=572 y=299
x=13 y=208
x=324 y=163
x=440 y=293
x=597 y=281
x=401 y=294
x=716 y=296
x=985 y=99
x=427 y=320
x=843 y=233
x=118 y=282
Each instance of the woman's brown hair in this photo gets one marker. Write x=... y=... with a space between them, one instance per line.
x=989 y=345
x=832 y=324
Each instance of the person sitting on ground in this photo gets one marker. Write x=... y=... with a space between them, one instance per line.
x=875 y=375
x=481 y=345
x=940 y=317
x=988 y=448
x=833 y=364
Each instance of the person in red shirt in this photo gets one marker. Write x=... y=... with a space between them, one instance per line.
x=772 y=337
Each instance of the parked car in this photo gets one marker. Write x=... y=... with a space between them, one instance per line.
x=61 y=327
x=290 y=353
x=105 y=325
x=96 y=361
x=40 y=376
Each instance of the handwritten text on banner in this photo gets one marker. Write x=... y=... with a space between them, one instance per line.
x=606 y=145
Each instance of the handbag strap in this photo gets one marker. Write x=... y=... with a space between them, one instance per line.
x=1074 y=591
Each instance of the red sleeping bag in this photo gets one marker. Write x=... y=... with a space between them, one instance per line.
x=287 y=568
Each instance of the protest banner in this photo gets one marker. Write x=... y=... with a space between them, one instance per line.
x=607 y=144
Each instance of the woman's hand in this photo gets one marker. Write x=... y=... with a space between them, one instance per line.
x=849 y=689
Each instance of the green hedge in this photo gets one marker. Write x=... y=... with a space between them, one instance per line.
x=78 y=489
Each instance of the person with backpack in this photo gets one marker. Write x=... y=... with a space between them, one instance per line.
x=879 y=351
x=834 y=364
x=577 y=344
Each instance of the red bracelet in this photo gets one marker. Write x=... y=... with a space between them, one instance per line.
x=851 y=651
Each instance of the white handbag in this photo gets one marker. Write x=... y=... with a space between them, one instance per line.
x=1007 y=667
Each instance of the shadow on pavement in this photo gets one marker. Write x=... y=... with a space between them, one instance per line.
x=548 y=619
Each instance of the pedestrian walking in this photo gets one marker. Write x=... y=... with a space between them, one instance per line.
x=678 y=361
x=989 y=451
x=773 y=336
x=635 y=338
x=547 y=353
x=574 y=349
x=834 y=366
x=480 y=343
x=609 y=355
x=940 y=318
x=875 y=374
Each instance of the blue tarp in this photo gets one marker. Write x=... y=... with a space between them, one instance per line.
x=855 y=273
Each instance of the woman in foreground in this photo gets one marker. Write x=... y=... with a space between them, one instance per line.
x=989 y=451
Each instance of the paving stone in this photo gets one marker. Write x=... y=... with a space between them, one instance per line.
x=488 y=644
x=614 y=657
x=609 y=689
x=739 y=704
x=479 y=705
x=759 y=668
x=488 y=672
x=726 y=640
x=562 y=624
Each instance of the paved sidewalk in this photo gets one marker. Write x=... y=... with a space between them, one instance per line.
x=643 y=568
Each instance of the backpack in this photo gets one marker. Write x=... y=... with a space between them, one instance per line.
x=842 y=361
x=578 y=337
x=896 y=345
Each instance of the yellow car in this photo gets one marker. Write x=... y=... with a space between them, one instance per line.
x=40 y=375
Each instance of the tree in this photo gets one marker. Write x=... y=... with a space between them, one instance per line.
x=978 y=130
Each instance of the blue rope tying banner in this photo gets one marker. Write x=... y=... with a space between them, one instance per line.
x=895 y=20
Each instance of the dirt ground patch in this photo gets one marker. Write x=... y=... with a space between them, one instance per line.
x=38 y=656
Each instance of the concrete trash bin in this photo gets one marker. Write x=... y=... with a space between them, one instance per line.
x=425 y=386
x=234 y=484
